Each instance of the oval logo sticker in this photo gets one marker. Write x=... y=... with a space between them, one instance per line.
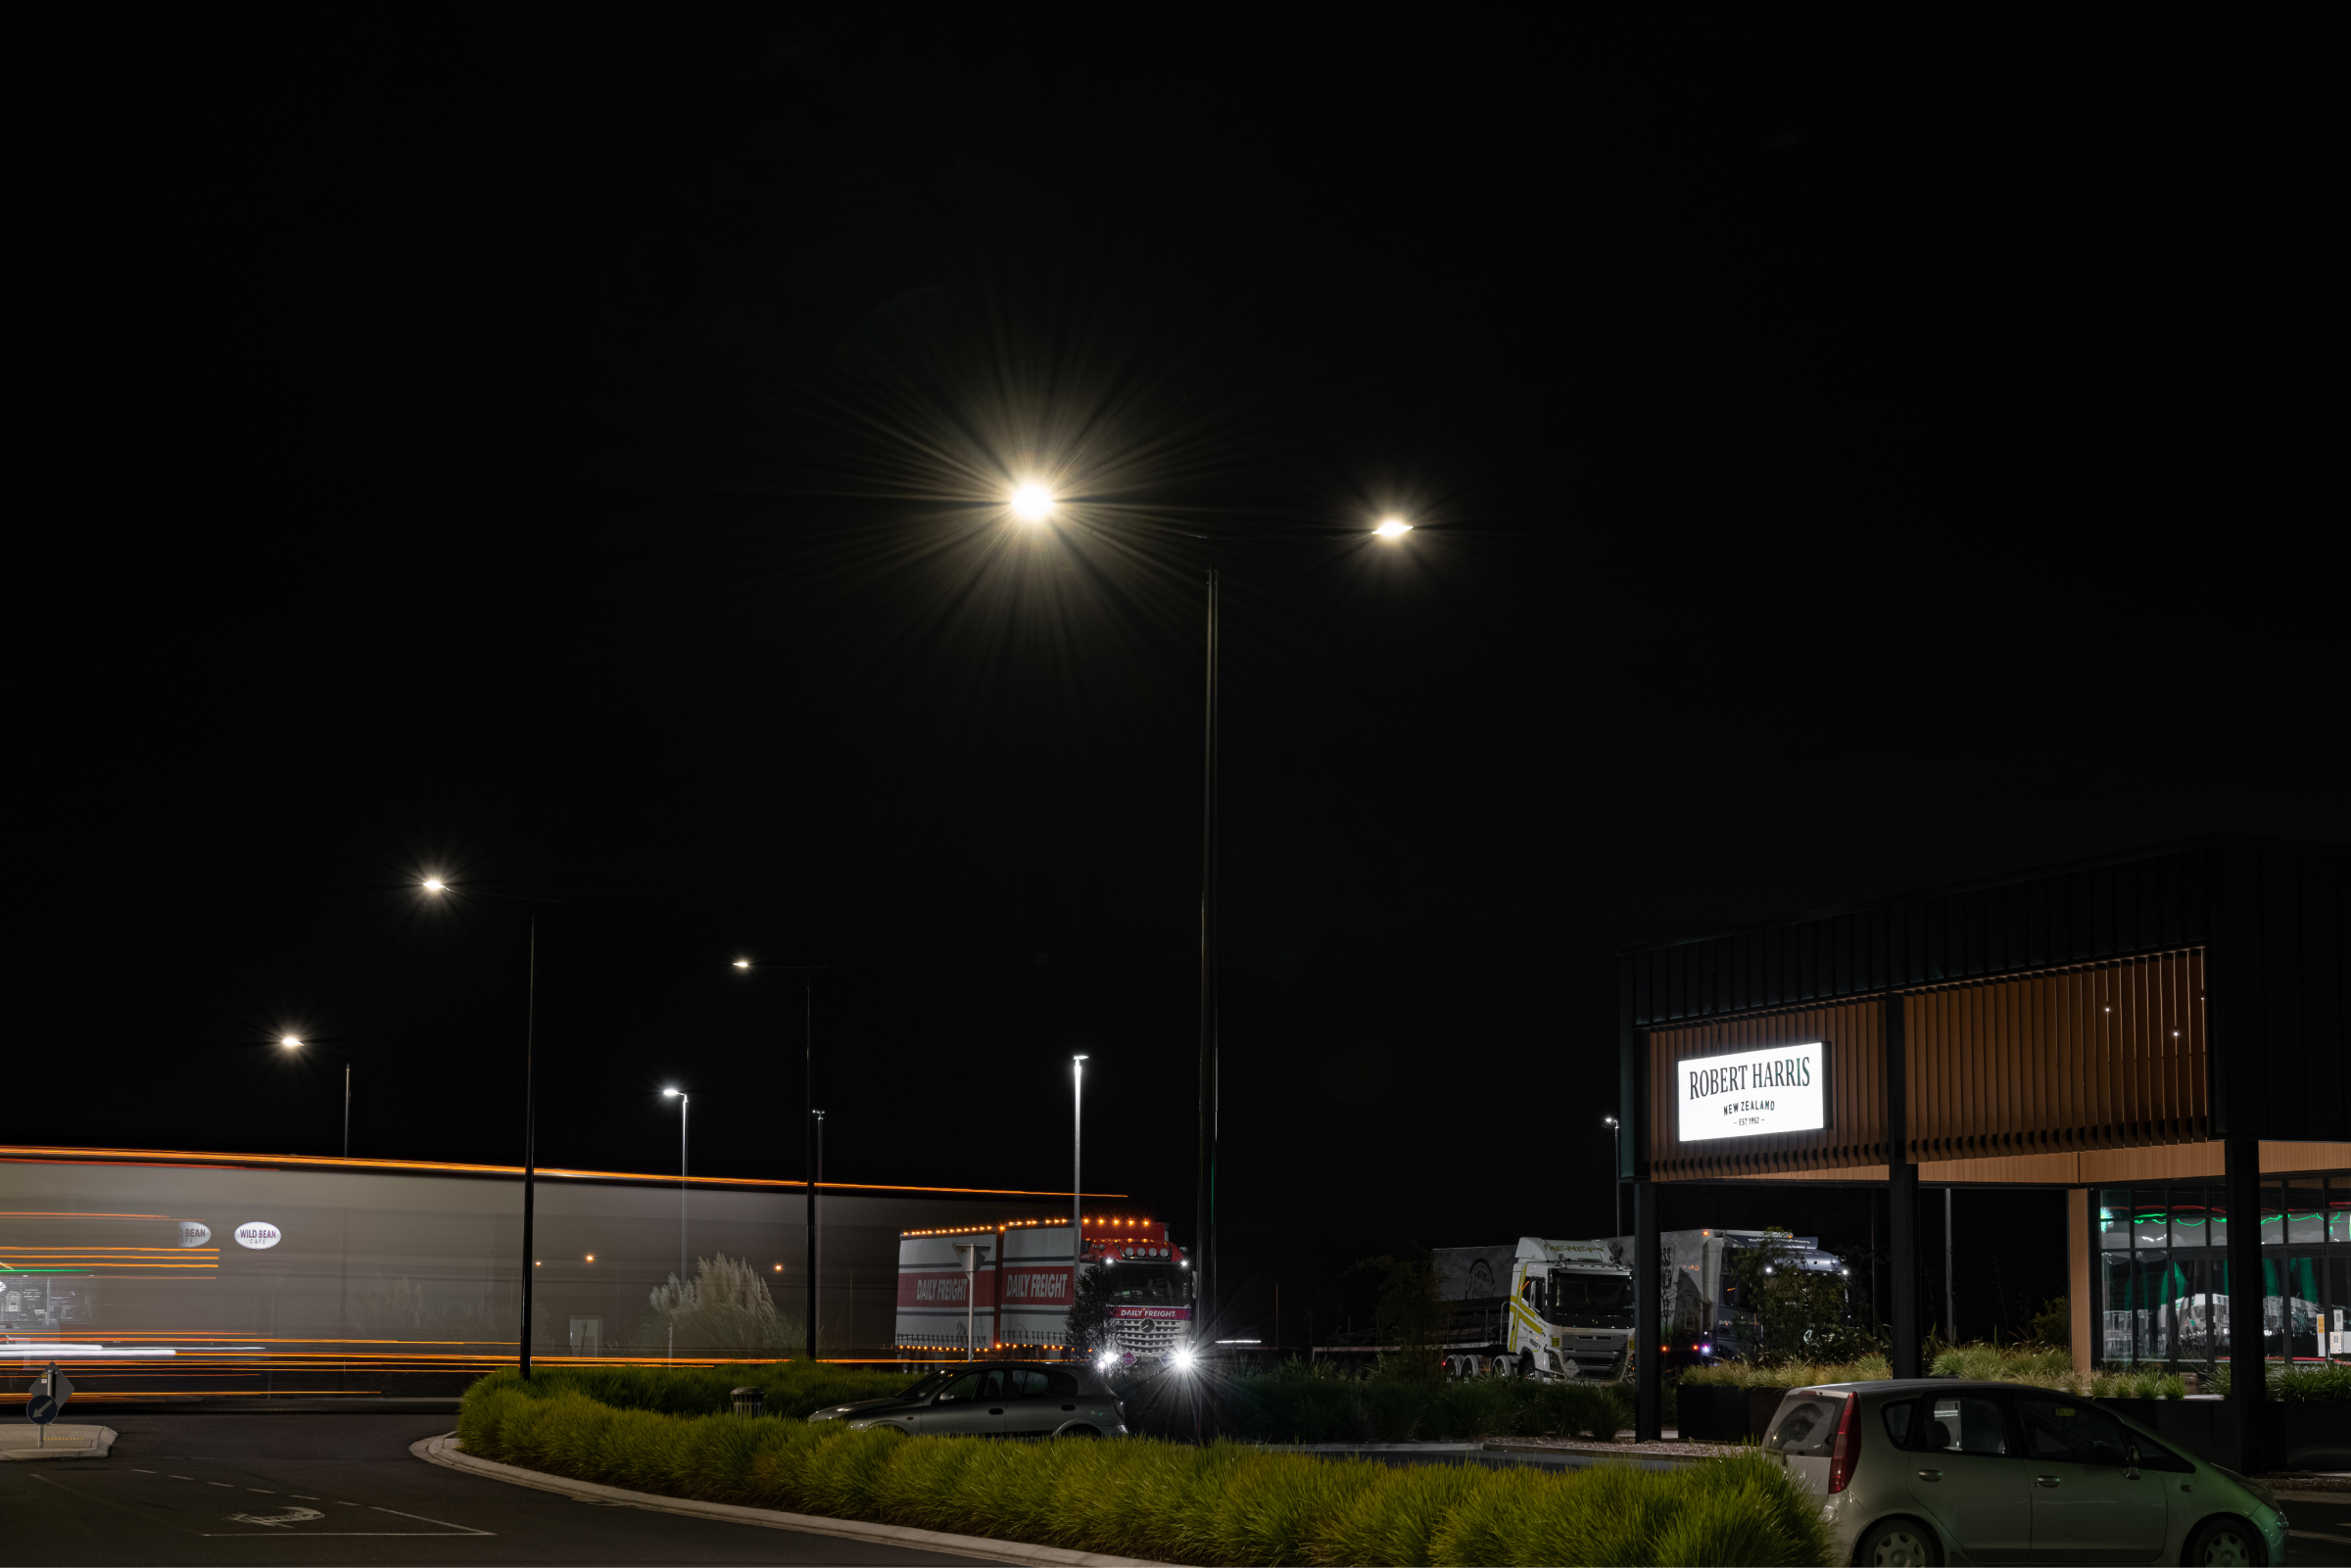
x=258 y=1236
x=191 y=1234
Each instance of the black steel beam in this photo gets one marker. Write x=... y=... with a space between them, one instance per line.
x=1901 y=1200
x=2247 y=1348
x=1649 y=1309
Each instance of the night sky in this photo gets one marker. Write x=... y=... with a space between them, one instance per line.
x=566 y=457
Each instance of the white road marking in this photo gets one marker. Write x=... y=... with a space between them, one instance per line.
x=263 y=1491
x=135 y=1470
x=292 y=1516
x=232 y=1489
x=304 y=1496
x=177 y=1476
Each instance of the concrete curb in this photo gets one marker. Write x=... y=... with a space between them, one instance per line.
x=445 y=1450
x=100 y=1439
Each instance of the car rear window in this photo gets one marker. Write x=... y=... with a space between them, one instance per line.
x=1805 y=1424
x=1948 y=1425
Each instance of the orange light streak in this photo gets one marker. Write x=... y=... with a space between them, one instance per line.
x=197 y=1160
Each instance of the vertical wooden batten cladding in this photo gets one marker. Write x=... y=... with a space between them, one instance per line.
x=2106 y=1056
x=1855 y=1034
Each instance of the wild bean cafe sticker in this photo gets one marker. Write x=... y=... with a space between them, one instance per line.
x=1778 y=1089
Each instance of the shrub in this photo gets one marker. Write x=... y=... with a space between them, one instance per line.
x=1225 y=1503
x=789 y=1388
x=1323 y=1403
x=726 y=1307
x=1788 y=1374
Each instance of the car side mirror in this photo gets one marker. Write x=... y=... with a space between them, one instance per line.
x=2130 y=1461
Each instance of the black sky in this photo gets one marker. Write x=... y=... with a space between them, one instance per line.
x=557 y=453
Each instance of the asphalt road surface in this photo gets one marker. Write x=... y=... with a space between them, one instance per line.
x=343 y=1489
x=2319 y=1528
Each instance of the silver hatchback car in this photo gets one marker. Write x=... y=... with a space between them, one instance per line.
x=1933 y=1470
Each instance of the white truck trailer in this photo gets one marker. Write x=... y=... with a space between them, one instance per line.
x=1007 y=1289
x=1552 y=1310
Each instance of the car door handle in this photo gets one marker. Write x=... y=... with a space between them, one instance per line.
x=1930 y=1475
x=1069 y=1407
x=995 y=1409
x=2045 y=1480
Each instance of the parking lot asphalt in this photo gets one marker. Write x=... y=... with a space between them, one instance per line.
x=2317 y=1528
x=337 y=1489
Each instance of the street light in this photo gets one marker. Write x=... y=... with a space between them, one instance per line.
x=1076 y=1187
x=1031 y=502
x=811 y=1146
x=294 y=1043
x=1617 y=1177
x=530 y=1103
x=683 y=1099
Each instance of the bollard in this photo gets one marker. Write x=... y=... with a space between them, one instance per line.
x=751 y=1402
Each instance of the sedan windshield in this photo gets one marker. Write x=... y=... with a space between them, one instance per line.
x=928 y=1386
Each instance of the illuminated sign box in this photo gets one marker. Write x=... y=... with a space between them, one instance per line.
x=1770 y=1088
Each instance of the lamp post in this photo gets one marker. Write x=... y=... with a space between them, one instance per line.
x=816 y=1225
x=1616 y=1175
x=1035 y=504
x=683 y=1099
x=292 y=1042
x=530 y=1103
x=810 y=1156
x=970 y=1251
x=1077 y=1166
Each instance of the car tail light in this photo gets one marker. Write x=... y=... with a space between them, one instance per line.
x=1847 y=1451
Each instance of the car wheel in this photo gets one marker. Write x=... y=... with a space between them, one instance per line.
x=1077 y=1432
x=2226 y=1541
x=1900 y=1543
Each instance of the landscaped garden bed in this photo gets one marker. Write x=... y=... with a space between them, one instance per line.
x=1222 y=1503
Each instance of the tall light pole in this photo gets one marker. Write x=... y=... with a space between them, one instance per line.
x=816 y=1225
x=1077 y=1166
x=810 y=1148
x=293 y=1042
x=1205 y=1197
x=1616 y=1175
x=530 y=1104
x=683 y=1099
x=1034 y=502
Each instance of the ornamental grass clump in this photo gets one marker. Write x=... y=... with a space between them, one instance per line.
x=1224 y=1502
x=792 y=1389
x=1788 y=1374
x=1323 y=1403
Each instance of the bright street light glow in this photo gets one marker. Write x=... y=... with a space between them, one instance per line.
x=434 y=884
x=1032 y=503
x=1393 y=528
x=291 y=1043
x=669 y=1093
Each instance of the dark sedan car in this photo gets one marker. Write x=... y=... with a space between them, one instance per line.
x=996 y=1400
